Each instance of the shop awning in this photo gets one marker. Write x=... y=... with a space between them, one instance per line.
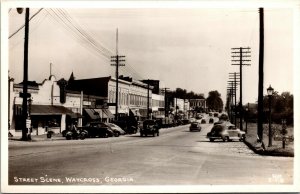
x=99 y=113
x=135 y=112
x=108 y=113
x=92 y=113
x=44 y=110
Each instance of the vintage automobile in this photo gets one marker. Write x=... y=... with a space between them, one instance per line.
x=226 y=132
x=98 y=129
x=195 y=126
x=116 y=129
x=149 y=127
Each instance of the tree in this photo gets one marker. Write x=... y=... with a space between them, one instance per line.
x=281 y=107
x=214 y=101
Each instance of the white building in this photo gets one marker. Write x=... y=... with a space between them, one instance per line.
x=46 y=109
x=158 y=106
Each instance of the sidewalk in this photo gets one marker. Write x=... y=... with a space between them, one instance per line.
x=275 y=150
x=43 y=137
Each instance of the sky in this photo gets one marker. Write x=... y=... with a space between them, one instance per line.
x=188 y=48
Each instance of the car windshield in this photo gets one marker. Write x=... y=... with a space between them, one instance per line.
x=232 y=127
x=149 y=122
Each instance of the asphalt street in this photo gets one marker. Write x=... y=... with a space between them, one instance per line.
x=176 y=157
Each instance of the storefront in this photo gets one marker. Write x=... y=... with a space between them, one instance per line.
x=45 y=118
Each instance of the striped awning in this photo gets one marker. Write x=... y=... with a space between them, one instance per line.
x=99 y=113
x=108 y=113
x=92 y=113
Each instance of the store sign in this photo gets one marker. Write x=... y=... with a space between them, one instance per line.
x=28 y=123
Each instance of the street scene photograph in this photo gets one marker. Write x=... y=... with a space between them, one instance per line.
x=149 y=97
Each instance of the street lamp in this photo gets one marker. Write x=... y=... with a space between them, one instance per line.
x=270 y=91
x=247 y=116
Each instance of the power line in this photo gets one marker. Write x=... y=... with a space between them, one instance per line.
x=32 y=29
x=129 y=68
x=24 y=24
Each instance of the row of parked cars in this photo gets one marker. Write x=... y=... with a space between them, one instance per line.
x=94 y=129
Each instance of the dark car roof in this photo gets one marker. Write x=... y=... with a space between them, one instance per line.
x=218 y=127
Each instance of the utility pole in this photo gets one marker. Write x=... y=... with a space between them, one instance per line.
x=166 y=111
x=117 y=59
x=234 y=82
x=50 y=69
x=231 y=89
x=260 y=77
x=241 y=53
x=25 y=94
x=232 y=92
x=148 y=99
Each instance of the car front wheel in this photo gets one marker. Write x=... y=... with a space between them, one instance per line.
x=226 y=139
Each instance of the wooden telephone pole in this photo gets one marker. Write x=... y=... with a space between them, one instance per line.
x=117 y=59
x=241 y=53
x=233 y=84
x=260 y=76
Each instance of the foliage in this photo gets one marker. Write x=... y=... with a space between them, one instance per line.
x=183 y=94
x=214 y=101
x=281 y=108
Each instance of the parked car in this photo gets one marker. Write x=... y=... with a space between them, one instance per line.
x=203 y=121
x=149 y=127
x=128 y=124
x=195 y=126
x=216 y=114
x=226 y=132
x=211 y=120
x=98 y=129
x=210 y=114
x=116 y=129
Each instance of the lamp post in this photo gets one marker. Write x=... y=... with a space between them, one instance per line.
x=270 y=91
x=247 y=115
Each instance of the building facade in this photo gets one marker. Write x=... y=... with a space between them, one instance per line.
x=48 y=111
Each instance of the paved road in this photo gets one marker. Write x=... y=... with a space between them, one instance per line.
x=176 y=157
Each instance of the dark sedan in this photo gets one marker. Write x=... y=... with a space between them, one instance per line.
x=149 y=127
x=195 y=126
x=98 y=129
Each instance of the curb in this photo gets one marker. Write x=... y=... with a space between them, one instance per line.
x=268 y=152
x=33 y=139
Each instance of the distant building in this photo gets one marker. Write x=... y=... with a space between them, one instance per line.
x=158 y=106
x=154 y=83
x=132 y=96
x=200 y=103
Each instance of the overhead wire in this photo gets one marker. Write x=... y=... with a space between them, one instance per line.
x=32 y=29
x=24 y=24
x=128 y=68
